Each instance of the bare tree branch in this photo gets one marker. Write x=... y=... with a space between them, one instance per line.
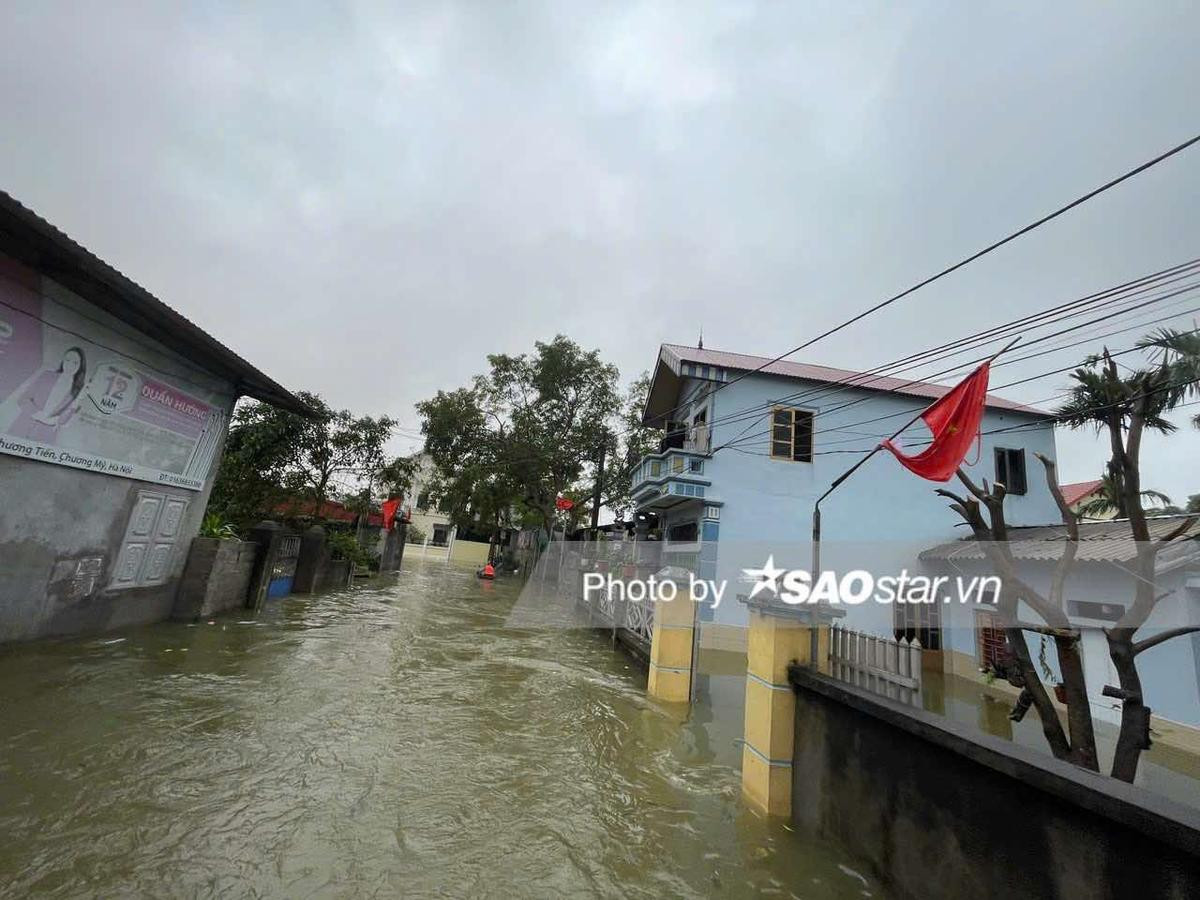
x=1180 y=531
x=1142 y=646
x=1071 y=519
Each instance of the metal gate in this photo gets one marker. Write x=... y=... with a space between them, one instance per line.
x=284 y=573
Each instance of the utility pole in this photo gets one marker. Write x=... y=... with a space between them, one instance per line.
x=599 y=489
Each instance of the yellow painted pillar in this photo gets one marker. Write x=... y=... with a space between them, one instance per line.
x=671 y=648
x=775 y=640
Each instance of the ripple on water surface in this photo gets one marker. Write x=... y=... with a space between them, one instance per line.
x=398 y=739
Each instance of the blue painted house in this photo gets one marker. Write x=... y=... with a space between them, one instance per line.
x=740 y=468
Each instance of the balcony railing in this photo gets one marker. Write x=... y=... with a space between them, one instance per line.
x=673 y=463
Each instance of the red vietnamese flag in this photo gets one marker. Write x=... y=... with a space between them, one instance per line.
x=389 y=512
x=564 y=503
x=954 y=422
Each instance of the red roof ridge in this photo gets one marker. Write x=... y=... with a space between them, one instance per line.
x=1077 y=490
x=815 y=372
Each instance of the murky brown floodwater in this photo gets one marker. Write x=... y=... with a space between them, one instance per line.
x=395 y=740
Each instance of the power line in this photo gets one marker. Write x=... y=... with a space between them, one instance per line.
x=821 y=393
x=1048 y=423
x=1120 y=294
x=1179 y=148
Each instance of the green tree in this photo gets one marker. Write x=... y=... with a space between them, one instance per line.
x=259 y=450
x=395 y=478
x=272 y=456
x=522 y=434
x=636 y=440
x=1108 y=499
x=1122 y=408
x=335 y=443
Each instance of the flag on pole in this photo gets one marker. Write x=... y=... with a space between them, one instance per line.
x=954 y=423
x=564 y=503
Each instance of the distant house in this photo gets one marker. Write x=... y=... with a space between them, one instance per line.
x=113 y=414
x=1098 y=592
x=1081 y=492
x=432 y=521
x=330 y=511
x=739 y=468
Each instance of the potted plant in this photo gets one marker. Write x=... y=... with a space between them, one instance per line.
x=214 y=526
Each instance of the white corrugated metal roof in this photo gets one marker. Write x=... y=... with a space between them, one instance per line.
x=1108 y=541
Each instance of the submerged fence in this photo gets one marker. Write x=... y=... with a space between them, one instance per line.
x=631 y=622
x=877 y=664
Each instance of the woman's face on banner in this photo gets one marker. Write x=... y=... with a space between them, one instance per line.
x=71 y=362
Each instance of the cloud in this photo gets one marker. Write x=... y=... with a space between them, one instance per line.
x=365 y=199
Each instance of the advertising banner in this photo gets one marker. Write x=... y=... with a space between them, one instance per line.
x=74 y=392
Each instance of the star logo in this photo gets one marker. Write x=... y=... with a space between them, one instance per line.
x=766 y=577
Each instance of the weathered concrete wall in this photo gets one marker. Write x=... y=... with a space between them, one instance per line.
x=60 y=534
x=61 y=528
x=215 y=579
x=333 y=575
x=941 y=811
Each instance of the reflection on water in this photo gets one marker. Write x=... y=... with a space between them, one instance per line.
x=393 y=740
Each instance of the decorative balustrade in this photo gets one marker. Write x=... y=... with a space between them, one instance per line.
x=877 y=664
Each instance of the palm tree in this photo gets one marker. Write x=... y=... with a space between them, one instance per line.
x=1121 y=407
x=1129 y=405
x=1108 y=499
x=1124 y=407
x=1178 y=353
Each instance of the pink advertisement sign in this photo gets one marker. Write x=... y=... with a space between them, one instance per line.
x=77 y=394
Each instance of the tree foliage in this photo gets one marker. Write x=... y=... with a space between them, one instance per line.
x=1108 y=499
x=272 y=456
x=260 y=448
x=636 y=440
x=1123 y=408
x=522 y=434
x=335 y=443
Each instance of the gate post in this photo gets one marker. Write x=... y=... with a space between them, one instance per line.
x=268 y=536
x=671 y=644
x=393 y=547
x=308 y=563
x=779 y=635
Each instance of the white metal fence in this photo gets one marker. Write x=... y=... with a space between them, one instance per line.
x=877 y=664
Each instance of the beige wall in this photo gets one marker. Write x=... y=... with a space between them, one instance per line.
x=473 y=552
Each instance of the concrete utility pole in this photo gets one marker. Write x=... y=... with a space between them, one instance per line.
x=599 y=489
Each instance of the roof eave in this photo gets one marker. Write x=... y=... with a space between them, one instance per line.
x=30 y=239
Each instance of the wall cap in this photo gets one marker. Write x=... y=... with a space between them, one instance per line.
x=1162 y=819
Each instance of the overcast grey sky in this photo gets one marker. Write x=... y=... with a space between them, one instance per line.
x=365 y=199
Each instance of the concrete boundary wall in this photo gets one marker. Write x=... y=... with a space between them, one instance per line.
x=939 y=810
x=216 y=577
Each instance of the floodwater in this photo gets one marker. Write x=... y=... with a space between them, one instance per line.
x=398 y=739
